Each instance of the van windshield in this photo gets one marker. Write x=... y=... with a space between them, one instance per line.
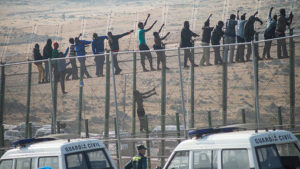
x=96 y=159
x=180 y=160
x=279 y=156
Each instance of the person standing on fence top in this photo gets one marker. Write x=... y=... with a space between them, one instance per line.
x=98 y=50
x=113 y=41
x=139 y=99
x=282 y=22
x=216 y=36
x=54 y=62
x=269 y=34
x=80 y=51
x=37 y=57
x=61 y=70
x=186 y=41
x=142 y=43
x=229 y=38
x=72 y=56
x=249 y=33
x=240 y=52
x=139 y=161
x=206 y=34
x=47 y=53
x=158 y=45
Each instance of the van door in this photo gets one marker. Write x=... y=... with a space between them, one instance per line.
x=235 y=159
x=205 y=159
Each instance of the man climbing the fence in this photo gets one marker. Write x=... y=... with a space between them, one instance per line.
x=139 y=161
x=240 y=52
x=72 y=56
x=113 y=41
x=282 y=22
x=216 y=36
x=186 y=41
x=229 y=38
x=269 y=34
x=98 y=50
x=249 y=33
x=158 y=45
x=139 y=99
x=206 y=34
x=142 y=44
x=47 y=53
x=80 y=51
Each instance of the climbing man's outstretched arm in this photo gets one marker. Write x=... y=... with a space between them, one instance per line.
x=148 y=91
x=150 y=27
x=165 y=36
x=161 y=28
x=145 y=23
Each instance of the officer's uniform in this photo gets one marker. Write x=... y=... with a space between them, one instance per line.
x=139 y=161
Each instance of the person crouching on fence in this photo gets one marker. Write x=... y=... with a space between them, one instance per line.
x=158 y=45
x=139 y=161
x=139 y=99
x=37 y=56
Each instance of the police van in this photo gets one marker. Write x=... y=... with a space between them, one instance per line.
x=230 y=149
x=57 y=154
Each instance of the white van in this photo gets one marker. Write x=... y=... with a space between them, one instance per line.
x=58 y=154
x=237 y=150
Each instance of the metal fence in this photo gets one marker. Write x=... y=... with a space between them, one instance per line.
x=211 y=95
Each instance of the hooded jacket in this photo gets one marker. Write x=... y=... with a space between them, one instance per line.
x=186 y=37
x=216 y=36
x=47 y=51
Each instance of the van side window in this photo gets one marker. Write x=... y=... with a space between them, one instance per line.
x=268 y=157
x=76 y=161
x=6 y=164
x=236 y=158
x=289 y=155
x=48 y=162
x=98 y=159
x=23 y=163
x=180 y=160
x=202 y=159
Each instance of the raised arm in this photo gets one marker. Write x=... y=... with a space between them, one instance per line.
x=194 y=34
x=145 y=23
x=144 y=97
x=209 y=17
x=165 y=36
x=161 y=28
x=79 y=35
x=150 y=27
x=270 y=12
x=148 y=91
x=259 y=20
x=66 y=52
x=289 y=22
x=124 y=34
x=238 y=15
x=255 y=13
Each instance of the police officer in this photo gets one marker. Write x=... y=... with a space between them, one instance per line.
x=139 y=161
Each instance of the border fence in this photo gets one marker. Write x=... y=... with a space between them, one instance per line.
x=264 y=92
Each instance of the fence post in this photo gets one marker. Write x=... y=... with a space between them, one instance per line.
x=163 y=109
x=178 y=127
x=192 y=119
x=28 y=100
x=107 y=98
x=148 y=143
x=117 y=145
x=182 y=95
x=133 y=103
x=54 y=95
x=279 y=117
x=243 y=116
x=29 y=130
x=86 y=122
x=2 y=97
x=81 y=84
x=209 y=119
x=255 y=70
x=58 y=127
x=224 y=90
x=292 y=81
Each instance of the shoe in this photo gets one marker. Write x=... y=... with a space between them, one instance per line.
x=202 y=65
x=195 y=65
x=270 y=58
x=65 y=92
x=39 y=82
x=145 y=70
x=167 y=67
x=158 y=68
x=186 y=66
x=208 y=64
x=152 y=69
x=89 y=76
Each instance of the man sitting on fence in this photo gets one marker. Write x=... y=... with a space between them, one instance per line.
x=139 y=98
x=158 y=45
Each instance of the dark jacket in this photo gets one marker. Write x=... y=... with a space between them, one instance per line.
x=206 y=34
x=80 y=49
x=37 y=55
x=98 y=45
x=186 y=37
x=114 y=44
x=230 y=27
x=249 y=29
x=47 y=51
x=61 y=63
x=216 y=36
x=137 y=162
